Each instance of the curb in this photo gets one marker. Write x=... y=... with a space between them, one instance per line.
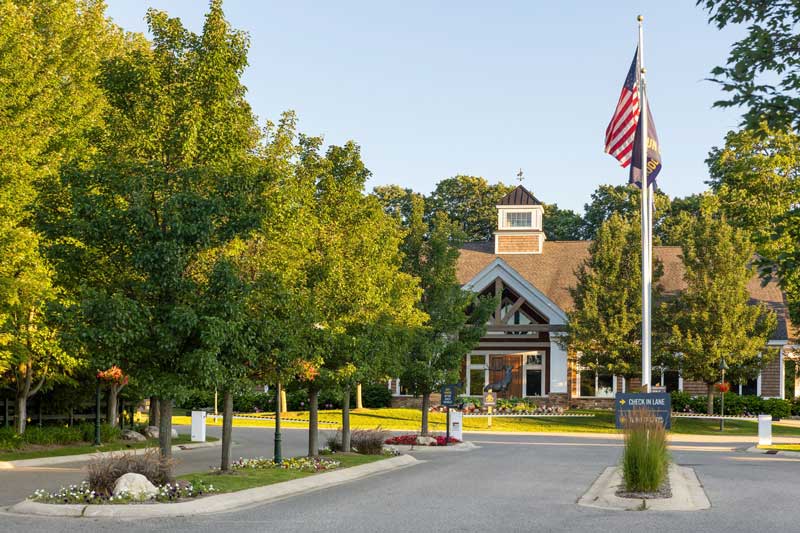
x=761 y=451
x=220 y=503
x=687 y=493
x=460 y=447
x=61 y=459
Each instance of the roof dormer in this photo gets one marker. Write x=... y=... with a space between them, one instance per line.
x=519 y=223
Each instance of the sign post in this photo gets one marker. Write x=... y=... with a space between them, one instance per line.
x=489 y=401
x=658 y=403
x=448 y=393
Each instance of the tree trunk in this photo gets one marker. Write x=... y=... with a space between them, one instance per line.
x=153 y=415
x=165 y=428
x=710 y=405
x=426 y=403
x=227 y=430
x=346 y=420
x=359 y=404
x=313 y=422
x=111 y=405
x=20 y=413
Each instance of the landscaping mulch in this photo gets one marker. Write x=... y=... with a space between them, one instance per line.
x=664 y=491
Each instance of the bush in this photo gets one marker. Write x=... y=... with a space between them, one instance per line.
x=368 y=441
x=376 y=396
x=104 y=470
x=777 y=408
x=681 y=401
x=47 y=436
x=107 y=432
x=645 y=458
x=9 y=440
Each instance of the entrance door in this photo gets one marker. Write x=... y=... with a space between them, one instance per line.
x=496 y=372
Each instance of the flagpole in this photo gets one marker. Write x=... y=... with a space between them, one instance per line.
x=647 y=270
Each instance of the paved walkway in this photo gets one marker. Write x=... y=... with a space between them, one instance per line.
x=511 y=483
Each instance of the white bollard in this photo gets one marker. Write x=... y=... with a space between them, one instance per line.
x=456 y=425
x=198 y=426
x=764 y=430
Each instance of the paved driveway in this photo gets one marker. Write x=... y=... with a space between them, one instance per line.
x=512 y=483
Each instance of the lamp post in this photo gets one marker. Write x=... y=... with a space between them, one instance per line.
x=278 y=455
x=97 y=414
x=722 y=366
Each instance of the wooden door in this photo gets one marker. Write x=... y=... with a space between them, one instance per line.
x=496 y=372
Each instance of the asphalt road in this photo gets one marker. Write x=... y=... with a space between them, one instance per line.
x=512 y=483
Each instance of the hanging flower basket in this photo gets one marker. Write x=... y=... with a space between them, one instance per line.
x=723 y=387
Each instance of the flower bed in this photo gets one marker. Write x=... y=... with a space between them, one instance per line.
x=303 y=464
x=411 y=440
x=83 y=494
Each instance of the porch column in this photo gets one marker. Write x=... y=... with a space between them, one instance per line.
x=558 y=365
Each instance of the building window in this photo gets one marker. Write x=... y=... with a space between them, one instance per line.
x=534 y=369
x=477 y=374
x=748 y=388
x=596 y=384
x=662 y=377
x=519 y=220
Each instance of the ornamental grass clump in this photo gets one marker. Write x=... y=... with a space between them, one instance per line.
x=104 y=470
x=368 y=441
x=645 y=459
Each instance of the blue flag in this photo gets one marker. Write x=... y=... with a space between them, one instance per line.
x=653 y=153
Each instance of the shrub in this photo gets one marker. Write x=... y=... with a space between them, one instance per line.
x=47 y=436
x=104 y=470
x=376 y=396
x=334 y=441
x=107 y=432
x=368 y=441
x=645 y=458
x=777 y=408
x=681 y=401
x=9 y=440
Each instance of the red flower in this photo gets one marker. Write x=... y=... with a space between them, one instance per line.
x=723 y=387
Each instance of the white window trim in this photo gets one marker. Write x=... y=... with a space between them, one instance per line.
x=596 y=378
x=541 y=367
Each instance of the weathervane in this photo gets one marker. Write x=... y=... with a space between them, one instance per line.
x=519 y=176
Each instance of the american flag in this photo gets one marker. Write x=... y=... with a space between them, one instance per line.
x=622 y=128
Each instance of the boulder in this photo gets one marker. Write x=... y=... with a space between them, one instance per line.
x=129 y=434
x=134 y=485
x=425 y=441
x=151 y=432
x=174 y=433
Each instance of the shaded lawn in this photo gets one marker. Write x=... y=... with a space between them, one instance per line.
x=247 y=479
x=57 y=450
x=602 y=421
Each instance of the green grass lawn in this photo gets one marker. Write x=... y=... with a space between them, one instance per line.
x=781 y=447
x=247 y=479
x=601 y=422
x=77 y=449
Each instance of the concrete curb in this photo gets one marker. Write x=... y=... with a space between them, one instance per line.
x=61 y=459
x=687 y=493
x=220 y=503
x=761 y=451
x=460 y=447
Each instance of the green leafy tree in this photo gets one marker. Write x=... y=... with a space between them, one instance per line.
x=561 y=224
x=356 y=283
x=756 y=179
x=762 y=72
x=396 y=201
x=457 y=317
x=713 y=318
x=470 y=202
x=624 y=200
x=605 y=328
x=50 y=54
x=173 y=179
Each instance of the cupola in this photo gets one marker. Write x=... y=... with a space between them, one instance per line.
x=519 y=224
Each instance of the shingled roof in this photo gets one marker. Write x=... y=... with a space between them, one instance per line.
x=519 y=196
x=553 y=273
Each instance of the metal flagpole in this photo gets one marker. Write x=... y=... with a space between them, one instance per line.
x=647 y=270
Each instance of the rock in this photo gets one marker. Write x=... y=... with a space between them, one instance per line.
x=425 y=441
x=129 y=434
x=134 y=485
x=151 y=432
x=174 y=433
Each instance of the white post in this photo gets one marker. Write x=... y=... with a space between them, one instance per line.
x=647 y=269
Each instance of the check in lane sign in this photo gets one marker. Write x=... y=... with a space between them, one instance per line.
x=659 y=403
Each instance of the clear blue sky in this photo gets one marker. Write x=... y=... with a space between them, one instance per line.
x=434 y=89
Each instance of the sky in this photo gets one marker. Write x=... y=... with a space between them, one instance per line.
x=432 y=89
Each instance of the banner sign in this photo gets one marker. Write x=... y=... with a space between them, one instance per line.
x=449 y=395
x=658 y=403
